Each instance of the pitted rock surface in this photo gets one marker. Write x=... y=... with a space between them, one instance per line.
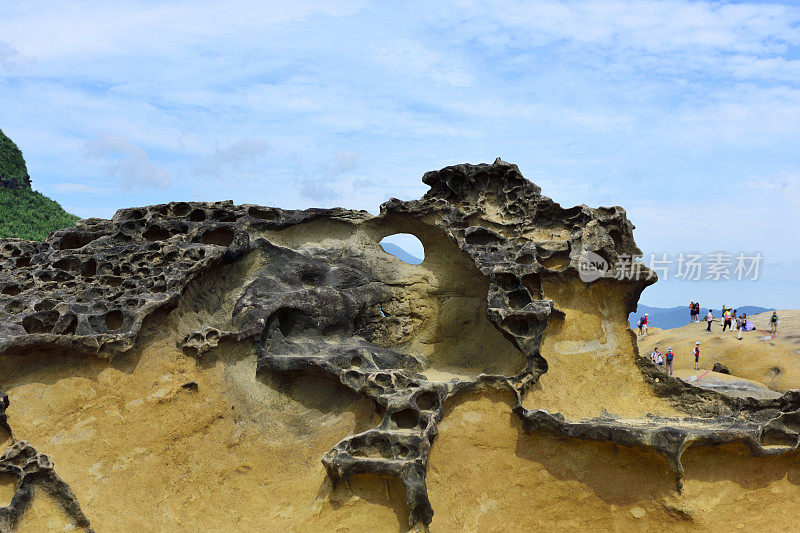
x=327 y=303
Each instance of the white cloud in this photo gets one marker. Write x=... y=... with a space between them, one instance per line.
x=414 y=60
x=80 y=188
x=234 y=157
x=127 y=162
x=674 y=109
x=10 y=58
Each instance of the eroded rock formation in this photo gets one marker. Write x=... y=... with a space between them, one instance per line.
x=496 y=304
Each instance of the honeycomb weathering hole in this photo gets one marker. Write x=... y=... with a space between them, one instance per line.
x=219 y=236
x=113 y=320
x=405 y=247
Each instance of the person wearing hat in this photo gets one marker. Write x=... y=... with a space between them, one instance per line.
x=696 y=355
x=669 y=358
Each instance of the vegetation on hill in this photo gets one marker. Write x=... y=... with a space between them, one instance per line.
x=13 y=172
x=30 y=215
x=25 y=213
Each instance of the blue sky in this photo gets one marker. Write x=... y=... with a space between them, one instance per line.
x=685 y=113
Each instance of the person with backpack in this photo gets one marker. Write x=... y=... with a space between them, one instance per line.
x=670 y=357
x=709 y=319
x=691 y=311
x=726 y=315
x=773 y=322
x=696 y=355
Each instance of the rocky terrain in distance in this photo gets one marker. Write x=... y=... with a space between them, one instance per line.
x=208 y=365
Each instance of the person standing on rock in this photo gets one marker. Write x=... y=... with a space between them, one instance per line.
x=660 y=360
x=726 y=315
x=696 y=355
x=670 y=357
x=742 y=322
x=773 y=322
x=709 y=319
x=654 y=355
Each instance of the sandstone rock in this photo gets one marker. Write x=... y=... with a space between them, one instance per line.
x=313 y=293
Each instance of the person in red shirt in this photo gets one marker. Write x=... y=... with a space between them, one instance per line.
x=696 y=355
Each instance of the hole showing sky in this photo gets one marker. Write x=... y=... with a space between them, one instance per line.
x=405 y=247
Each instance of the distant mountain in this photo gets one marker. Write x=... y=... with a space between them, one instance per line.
x=675 y=317
x=400 y=253
x=25 y=213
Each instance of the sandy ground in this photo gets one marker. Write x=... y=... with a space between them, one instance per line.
x=774 y=363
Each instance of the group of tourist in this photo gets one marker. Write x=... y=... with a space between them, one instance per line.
x=730 y=317
x=664 y=361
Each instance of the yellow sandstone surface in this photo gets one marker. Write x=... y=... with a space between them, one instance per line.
x=243 y=453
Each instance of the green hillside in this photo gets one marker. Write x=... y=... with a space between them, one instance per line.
x=25 y=213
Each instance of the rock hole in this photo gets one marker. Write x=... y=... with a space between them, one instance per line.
x=23 y=262
x=519 y=299
x=44 y=305
x=132 y=214
x=74 y=240
x=506 y=281
x=219 y=236
x=401 y=451
x=181 y=209
x=480 y=236
x=12 y=290
x=383 y=379
x=42 y=322
x=262 y=214
x=428 y=401
x=774 y=438
x=222 y=215
x=525 y=259
x=517 y=325
x=405 y=247
x=113 y=320
x=288 y=322
x=533 y=283
x=113 y=281
x=67 y=263
x=198 y=215
x=406 y=419
x=89 y=268
x=155 y=233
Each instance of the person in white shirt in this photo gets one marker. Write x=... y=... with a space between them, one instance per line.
x=654 y=354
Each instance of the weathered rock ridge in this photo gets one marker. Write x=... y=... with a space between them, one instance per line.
x=314 y=294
